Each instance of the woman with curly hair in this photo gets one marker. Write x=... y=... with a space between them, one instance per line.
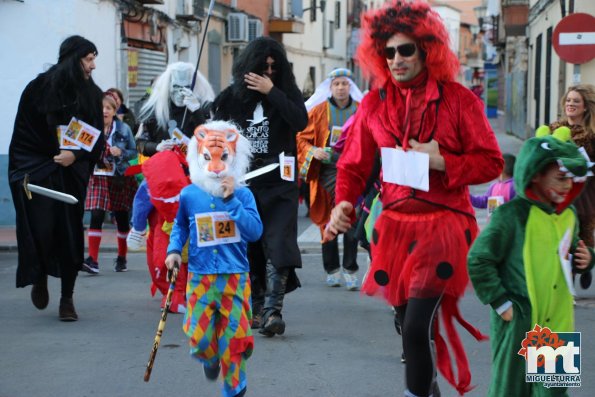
x=578 y=109
x=421 y=239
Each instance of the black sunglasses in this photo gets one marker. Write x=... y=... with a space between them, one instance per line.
x=404 y=50
x=273 y=66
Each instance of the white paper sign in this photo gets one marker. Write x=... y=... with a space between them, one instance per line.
x=287 y=167
x=566 y=260
x=406 y=168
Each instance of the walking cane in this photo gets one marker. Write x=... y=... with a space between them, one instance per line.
x=172 y=283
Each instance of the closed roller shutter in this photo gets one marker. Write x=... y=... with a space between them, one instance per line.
x=150 y=65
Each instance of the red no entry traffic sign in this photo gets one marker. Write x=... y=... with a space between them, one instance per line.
x=574 y=38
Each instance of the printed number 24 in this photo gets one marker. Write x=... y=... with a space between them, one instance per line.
x=225 y=229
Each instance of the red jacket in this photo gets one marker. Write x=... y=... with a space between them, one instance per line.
x=453 y=116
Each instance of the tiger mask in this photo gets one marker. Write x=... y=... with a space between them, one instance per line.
x=215 y=151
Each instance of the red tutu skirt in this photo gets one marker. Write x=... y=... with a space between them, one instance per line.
x=424 y=255
x=420 y=255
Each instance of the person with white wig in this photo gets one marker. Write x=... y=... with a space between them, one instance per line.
x=335 y=100
x=174 y=104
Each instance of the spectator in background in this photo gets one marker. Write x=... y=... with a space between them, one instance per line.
x=499 y=192
x=578 y=109
x=124 y=113
x=336 y=99
x=109 y=189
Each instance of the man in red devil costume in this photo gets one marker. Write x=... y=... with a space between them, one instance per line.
x=421 y=239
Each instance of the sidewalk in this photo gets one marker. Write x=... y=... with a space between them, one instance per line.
x=309 y=235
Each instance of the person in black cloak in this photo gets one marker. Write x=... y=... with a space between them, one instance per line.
x=50 y=233
x=266 y=103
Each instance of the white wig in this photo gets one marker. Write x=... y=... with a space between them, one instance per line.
x=159 y=101
x=237 y=164
x=323 y=91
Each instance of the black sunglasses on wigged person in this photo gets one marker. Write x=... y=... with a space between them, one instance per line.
x=404 y=50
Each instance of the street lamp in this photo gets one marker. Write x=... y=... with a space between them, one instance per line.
x=480 y=14
x=313 y=7
x=474 y=31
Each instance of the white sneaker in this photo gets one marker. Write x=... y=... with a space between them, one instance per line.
x=136 y=241
x=333 y=279
x=350 y=281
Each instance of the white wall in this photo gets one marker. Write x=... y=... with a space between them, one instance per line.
x=305 y=50
x=587 y=70
x=30 y=36
x=452 y=21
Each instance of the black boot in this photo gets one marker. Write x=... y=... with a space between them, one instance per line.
x=39 y=293
x=272 y=324
x=257 y=313
x=67 y=312
x=211 y=373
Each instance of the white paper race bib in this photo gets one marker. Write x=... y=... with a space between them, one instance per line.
x=64 y=144
x=81 y=134
x=180 y=139
x=287 y=167
x=107 y=168
x=215 y=228
x=336 y=132
x=493 y=203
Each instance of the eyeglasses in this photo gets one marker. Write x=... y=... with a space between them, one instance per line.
x=404 y=50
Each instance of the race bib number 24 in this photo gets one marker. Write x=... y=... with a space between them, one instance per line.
x=215 y=228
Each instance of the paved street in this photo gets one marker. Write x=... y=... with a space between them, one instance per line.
x=337 y=343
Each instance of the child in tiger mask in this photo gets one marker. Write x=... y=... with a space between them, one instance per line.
x=218 y=214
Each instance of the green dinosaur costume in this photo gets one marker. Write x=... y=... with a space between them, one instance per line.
x=515 y=259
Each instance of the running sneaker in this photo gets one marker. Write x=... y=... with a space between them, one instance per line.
x=90 y=266
x=350 y=281
x=120 y=264
x=333 y=279
x=136 y=241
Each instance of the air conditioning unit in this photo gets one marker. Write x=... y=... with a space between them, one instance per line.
x=254 y=29
x=188 y=10
x=237 y=27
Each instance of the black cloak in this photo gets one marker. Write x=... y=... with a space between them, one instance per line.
x=50 y=233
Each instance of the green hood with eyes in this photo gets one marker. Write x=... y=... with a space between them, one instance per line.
x=544 y=149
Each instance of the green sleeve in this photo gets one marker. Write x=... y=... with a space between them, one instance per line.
x=487 y=256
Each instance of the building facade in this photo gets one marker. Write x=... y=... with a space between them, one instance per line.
x=136 y=39
x=548 y=75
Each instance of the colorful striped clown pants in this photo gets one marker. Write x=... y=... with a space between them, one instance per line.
x=217 y=321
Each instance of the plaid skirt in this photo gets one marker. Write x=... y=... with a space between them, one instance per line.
x=110 y=193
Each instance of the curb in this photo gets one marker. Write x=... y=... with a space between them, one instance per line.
x=305 y=248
